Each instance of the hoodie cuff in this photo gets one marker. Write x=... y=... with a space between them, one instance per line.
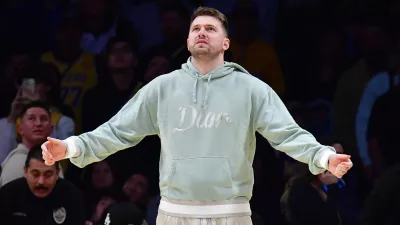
x=324 y=160
x=72 y=150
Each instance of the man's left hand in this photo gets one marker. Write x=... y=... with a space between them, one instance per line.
x=339 y=164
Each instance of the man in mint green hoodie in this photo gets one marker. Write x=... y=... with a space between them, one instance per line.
x=206 y=115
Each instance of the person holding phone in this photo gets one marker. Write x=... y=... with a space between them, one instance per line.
x=36 y=82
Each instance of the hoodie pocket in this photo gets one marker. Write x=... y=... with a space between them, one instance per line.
x=200 y=179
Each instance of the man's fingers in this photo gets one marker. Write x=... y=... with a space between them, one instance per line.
x=53 y=140
x=343 y=157
x=48 y=158
x=44 y=146
x=47 y=155
x=346 y=165
x=49 y=162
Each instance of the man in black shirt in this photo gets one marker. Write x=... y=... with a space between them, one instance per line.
x=41 y=197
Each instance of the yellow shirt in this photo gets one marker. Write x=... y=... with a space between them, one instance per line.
x=76 y=82
x=261 y=60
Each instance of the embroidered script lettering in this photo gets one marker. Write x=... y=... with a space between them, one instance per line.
x=190 y=117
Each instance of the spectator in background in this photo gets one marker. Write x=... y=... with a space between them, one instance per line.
x=46 y=89
x=377 y=120
x=174 y=20
x=136 y=189
x=159 y=64
x=375 y=45
x=101 y=23
x=12 y=68
x=98 y=180
x=121 y=82
x=40 y=197
x=35 y=127
x=77 y=68
x=102 y=205
x=249 y=50
x=383 y=204
x=306 y=202
x=327 y=66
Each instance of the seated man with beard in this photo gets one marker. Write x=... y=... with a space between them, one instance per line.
x=41 y=197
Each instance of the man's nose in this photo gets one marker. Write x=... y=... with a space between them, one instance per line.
x=38 y=123
x=202 y=32
x=41 y=180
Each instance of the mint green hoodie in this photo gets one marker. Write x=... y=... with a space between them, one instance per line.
x=207 y=126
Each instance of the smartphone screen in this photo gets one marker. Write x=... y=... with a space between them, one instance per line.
x=28 y=88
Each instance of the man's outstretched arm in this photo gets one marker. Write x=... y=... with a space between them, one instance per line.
x=135 y=121
x=275 y=123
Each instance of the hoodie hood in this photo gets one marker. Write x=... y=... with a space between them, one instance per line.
x=224 y=70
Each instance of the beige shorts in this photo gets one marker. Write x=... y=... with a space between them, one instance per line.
x=163 y=219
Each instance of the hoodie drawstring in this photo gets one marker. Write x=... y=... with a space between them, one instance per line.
x=194 y=95
x=207 y=92
x=195 y=91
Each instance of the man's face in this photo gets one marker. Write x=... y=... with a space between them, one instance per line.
x=102 y=176
x=41 y=178
x=136 y=187
x=207 y=37
x=121 y=56
x=35 y=125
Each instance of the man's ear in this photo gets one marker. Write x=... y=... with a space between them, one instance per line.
x=226 y=44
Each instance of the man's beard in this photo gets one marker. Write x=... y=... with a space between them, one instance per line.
x=203 y=53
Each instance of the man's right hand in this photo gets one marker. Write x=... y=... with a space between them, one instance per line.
x=53 y=150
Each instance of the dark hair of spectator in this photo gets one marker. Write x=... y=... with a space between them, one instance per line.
x=36 y=153
x=114 y=40
x=35 y=104
x=87 y=173
x=42 y=73
x=301 y=175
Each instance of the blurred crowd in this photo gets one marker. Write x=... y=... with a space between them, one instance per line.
x=68 y=66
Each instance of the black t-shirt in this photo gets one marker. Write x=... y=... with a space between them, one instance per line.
x=18 y=205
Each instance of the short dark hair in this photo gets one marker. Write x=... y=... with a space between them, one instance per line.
x=207 y=11
x=36 y=153
x=35 y=104
x=114 y=40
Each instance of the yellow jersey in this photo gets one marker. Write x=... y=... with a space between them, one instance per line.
x=77 y=80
